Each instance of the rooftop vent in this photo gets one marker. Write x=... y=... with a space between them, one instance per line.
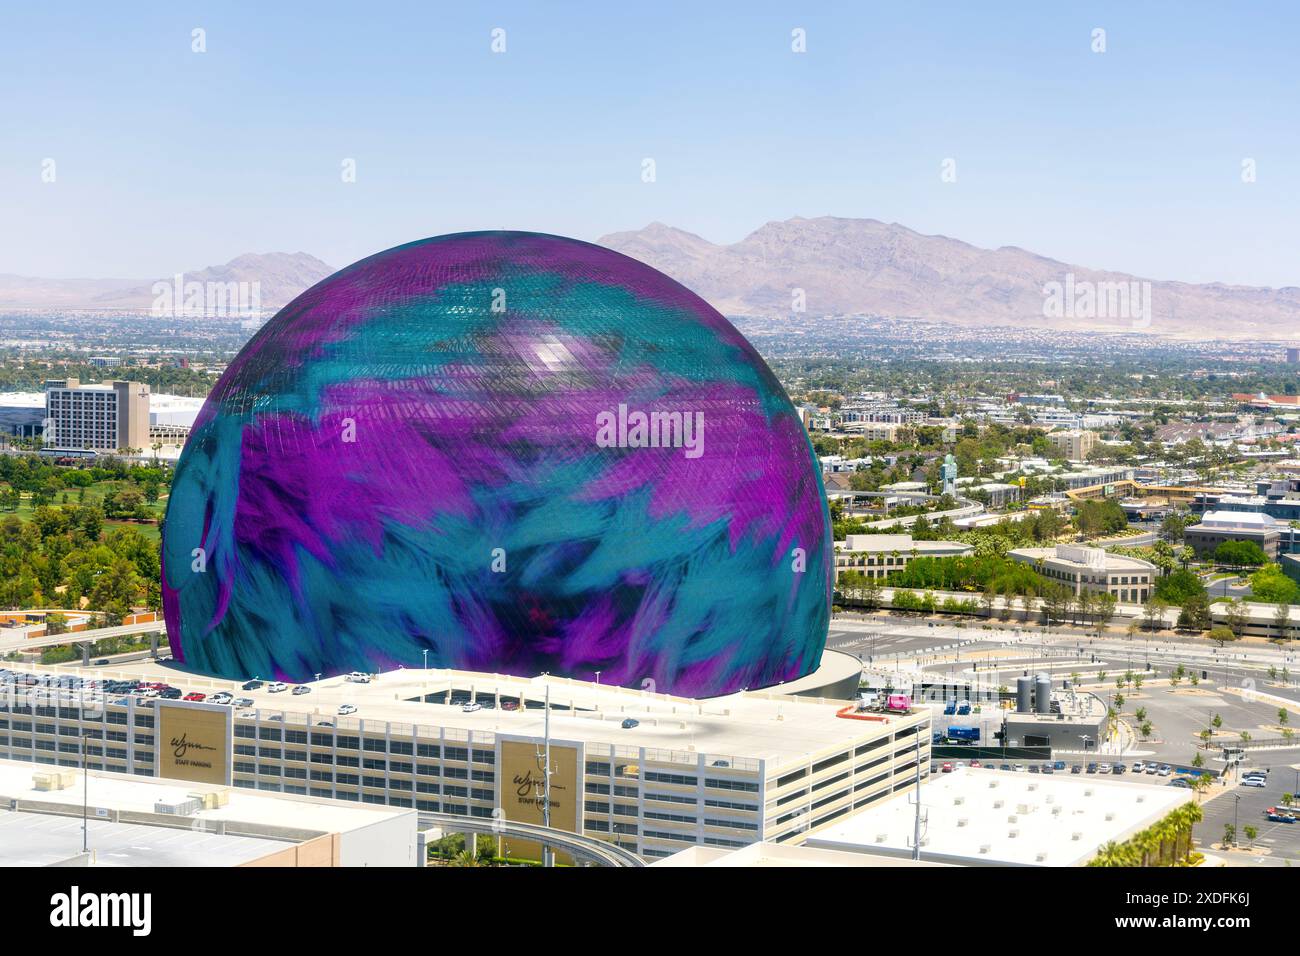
x=961 y=821
x=1013 y=833
x=1076 y=836
x=984 y=848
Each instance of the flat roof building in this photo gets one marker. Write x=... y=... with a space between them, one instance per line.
x=96 y=418
x=1095 y=570
x=877 y=555
x=982 y=817
x=147 y=821
x=650 y=772
x=1217 y=527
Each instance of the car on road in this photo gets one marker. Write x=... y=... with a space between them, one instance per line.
x=252 y=685
x=195 y=697
x=277 y=687
x=1254 y=782
x=345 y=709
x=946 y=768
x=1076 y=768
x=630 y=722
x=358 y=677
x=1092 y=768
x=101 y=661
x=300 y=690
x=1103 y=768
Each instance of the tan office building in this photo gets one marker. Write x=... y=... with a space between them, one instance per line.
x=98 y=418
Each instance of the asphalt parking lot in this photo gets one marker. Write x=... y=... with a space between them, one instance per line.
x=1279 y=841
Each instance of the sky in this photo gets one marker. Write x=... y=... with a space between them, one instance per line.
x=167 y=159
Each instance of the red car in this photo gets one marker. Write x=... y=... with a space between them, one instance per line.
x=976 y=763
x=195 y=696
x=946 y=768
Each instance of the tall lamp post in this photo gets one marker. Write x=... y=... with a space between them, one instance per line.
x=85 y=798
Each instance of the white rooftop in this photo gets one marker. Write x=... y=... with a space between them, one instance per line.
x=988 y=817
x=1239 y=519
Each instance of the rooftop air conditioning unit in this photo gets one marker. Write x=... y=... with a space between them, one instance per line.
x=1041 y=857
x=958 y=801
x=1076 y=836
x=1110 y=817
x=1013 y=834
x=1012 y=818
x=997 y=804
x=961 y=821
x=179 y=808
x=984 y=848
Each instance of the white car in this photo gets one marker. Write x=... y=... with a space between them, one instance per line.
x=221 y=697
x=1165 y=770
x=1137 y=766
x=1104 y=768
x=345 y=709
x=1254 y=782
x=357 y=677
x=471 y=708
x=276 y=687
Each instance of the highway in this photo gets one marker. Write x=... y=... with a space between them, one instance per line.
x=17 y=642
x=579 y=847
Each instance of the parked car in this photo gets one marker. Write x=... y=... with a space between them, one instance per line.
x=1165 y=770
x=171 y=693
x=630 y=722
x=300 y=690
x=242 y=702
x=1058 y=765
x=1048 y=768
x=252 y=685
x=1092 y=768
x=1138 y=767
x=1076 y=768
x=1153 y=767
x=1119 y=768
x=345 y=709
x=277 y=687
x=1280 y=814
x=1103 y=768
x=976 y=764
x=472 y=707
x=959 y=765
x=1019 y=766
x=102 y=660
x=358 y=677
x=1034 y=768
x=195 y=696
x=221 y=697
x=1005 y=766
x=1180 y=782
x=946 y=768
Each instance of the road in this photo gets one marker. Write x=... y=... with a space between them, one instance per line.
x=584 y=848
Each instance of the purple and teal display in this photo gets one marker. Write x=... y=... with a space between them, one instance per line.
x=437 y=449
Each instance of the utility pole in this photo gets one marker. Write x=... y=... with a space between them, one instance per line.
x=548 y=854
x=916 y=834
x=85 y=799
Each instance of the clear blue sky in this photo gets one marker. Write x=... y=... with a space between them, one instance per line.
x=171 y=160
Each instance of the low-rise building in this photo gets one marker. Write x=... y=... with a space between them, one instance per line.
x=1217 y=527
x=877 y=555
x=1094 y=570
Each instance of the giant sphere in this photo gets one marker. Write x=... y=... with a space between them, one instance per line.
x=517 y=452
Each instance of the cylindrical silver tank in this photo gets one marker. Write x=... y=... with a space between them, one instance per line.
x=1043 y=694
x=1024 y=695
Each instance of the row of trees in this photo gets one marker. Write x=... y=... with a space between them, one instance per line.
x=1168 y=842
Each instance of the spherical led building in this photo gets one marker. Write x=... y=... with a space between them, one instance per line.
x=516 y=452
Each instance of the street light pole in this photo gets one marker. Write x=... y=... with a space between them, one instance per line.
x=85 y=799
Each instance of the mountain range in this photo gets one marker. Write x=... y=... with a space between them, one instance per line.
x=871 y=268
x=828 y=266
x=281 y=276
